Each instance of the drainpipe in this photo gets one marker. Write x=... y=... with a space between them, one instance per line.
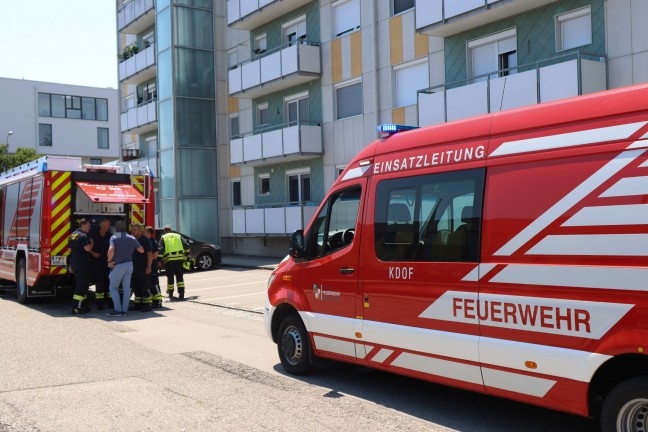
x=374 y=18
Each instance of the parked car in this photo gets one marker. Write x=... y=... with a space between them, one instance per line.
x=206 y=255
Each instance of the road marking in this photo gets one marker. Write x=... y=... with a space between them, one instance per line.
x=236 y=296
x=221 y=277
x=226 y=286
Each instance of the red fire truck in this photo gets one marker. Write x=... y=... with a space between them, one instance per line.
x=506 y=254
x=40 y=204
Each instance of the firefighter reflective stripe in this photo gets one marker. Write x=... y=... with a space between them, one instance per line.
x=173 y=248
x=137 y=210
x=170 y=288
x=61 y=211
x=99 y=296
x=78 y=297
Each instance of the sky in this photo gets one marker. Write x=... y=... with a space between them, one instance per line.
x=61 y=41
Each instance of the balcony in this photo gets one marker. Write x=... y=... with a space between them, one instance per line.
x=276 y=70
x=285 y=143
x=561 y=77
x=250 y=14
x=138 y=67
x=135 y=16
x=447 y=17
x=280 y=219
x=139 y=119
x=130 y=152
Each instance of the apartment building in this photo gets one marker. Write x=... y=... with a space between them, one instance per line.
x=60 y=119
x=262 y=103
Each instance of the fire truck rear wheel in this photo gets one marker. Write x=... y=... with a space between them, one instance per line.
x=21 y=281
x=294 y=346
x=626 y=407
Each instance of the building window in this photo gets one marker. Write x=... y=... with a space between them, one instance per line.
x=95 y=161
x=493 y=53
x=399 y=6
x=263 y=115
x=574 y=29
x=45 y=135
x=299 y=186
x=234 y=126
x=264 y=184
x=102 y=138
x=348 y=100
x=261 y=44
x=72 y=107
x=297 y=109
x=236 y=192
x=44 y=109
x=339 y=170
x=294 y=30
x=408 y=79
x=346 y=16
x=232 y=58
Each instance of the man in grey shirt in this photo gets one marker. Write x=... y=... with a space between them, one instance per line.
x=120 y=258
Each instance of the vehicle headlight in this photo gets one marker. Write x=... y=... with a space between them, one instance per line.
x=270 y=279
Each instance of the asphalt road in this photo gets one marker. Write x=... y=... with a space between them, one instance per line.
x=193 y=366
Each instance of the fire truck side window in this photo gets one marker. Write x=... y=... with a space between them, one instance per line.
x=334 y=227
x=435 y=218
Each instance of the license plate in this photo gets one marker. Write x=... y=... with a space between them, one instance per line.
x=58 y=261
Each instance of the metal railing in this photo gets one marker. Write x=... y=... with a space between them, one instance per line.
x=263 y=207
x=240 y=11
x=271 y=128
x=266 y=53
x=537 y=65
x=141 y=101
x=131 y=10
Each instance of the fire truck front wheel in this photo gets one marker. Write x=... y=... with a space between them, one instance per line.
x=21 y=281
x=294 y=346
x=626 y=407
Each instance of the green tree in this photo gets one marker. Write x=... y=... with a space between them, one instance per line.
x=11 y=160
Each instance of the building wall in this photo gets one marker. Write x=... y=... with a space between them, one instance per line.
x=536 y=36
x=70 y=137
x=627 y=41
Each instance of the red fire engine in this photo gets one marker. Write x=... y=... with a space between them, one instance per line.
x=40 y=203
x=506 y=254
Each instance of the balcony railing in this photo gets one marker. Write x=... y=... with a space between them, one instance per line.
x=290 y=142
x=138 y=67
x=543 y=81
x=275 y=219
x=249 y=14
x=447 y=17
x=278 y=69
x=135 y=16
x=139 y=119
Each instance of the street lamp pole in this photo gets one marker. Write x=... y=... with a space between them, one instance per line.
x=8 y=135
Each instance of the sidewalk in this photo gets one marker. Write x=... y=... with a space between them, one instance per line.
x=250 y=261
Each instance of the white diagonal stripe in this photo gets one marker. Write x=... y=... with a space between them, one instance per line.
x=629 y=186
x=631 y=214
x=478 y=272
x=613 y=278
x=593 y=245
x=444 y=368
x=382 y=355
x=517 y=383
x=335 y=346
x=571 y=139
x=576 y=195
x=644 y=165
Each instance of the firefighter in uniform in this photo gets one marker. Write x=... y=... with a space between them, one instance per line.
x=101 y=240
x=173 y=249
x=80 y=246
x=156 y=293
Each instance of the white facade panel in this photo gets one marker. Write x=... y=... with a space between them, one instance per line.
x=236 y=151
x=248 y=6
x=513 y=91
x=272 y=143
x=593 y=76
x=311 y=139
x=309 y=58
x=233 y=13
x=559 y=81
x=289 y=60
x=251 y=75
x=235 y=84
x=293 y=218
x=453 y=8
x=291 y=140
x=467 y=101
x=238 y=220
x=275 y=220
x=254 y=221
x=252 y=147
x=428 y=12
x=271 y=67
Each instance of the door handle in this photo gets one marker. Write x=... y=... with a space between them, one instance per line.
x=347 y=270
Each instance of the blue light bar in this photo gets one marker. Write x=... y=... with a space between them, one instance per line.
x=388 y=129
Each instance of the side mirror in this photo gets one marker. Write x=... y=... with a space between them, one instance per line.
x=296 y=249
